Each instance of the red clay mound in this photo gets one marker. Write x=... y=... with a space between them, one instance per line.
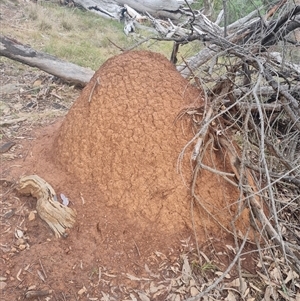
x=122 y=136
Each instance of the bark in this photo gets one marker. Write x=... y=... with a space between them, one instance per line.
x=68 y=72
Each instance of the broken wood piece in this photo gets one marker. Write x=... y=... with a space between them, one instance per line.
x=34 y=294
x=134 y=14
x=12 y=121
x=56 y=215
x=5 y=147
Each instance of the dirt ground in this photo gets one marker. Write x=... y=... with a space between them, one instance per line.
x=114 y=252
x=109 y=254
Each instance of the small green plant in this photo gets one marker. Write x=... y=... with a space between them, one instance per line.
x=204 y=268
x=93 y=273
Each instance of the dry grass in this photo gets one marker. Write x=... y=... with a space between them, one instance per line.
x=72 y=34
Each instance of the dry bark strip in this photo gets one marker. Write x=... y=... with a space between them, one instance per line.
x=56 y=215
x=68 y=72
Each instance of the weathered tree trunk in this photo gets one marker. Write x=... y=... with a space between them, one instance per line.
x=112 y=9
x=105 y=8
x=69 y=72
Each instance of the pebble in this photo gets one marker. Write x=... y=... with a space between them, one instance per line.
x=2 y=285
x=22 y=247
x=31 y=215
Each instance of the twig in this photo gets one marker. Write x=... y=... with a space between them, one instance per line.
x=263 y=157
x=137 y=248
x=215 y=283
x=120 y=48
x=43 y=269
x=285 y=178
x=97 y=81
x=139 y=43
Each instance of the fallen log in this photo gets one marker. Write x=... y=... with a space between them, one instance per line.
x=68 y=72
x=112 y=9
x=104 y=8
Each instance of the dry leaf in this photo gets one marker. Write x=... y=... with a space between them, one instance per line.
x=32 y=287
x=109 y=275
x=246 y=291
x=193 y=291
x=291 y=275
x=186 y=270
x=133 y=278
x=230 y=296
x=150 y=272
x=82 y=291
x=270 y=291
x=285 y=296
x=133 y=298
x=259 y=264
x=153 y=289
x=105 y=297
x=219 y=273
x=254 y=287
x=160 y=291
x=143 y=296
x=37 y=83
x=2 y=285
x=41 y=275
x=236 y=283
x=18 y=275
x=31 y=215
x=204 y=256
x=275 y=274
x=161 y=255
x=266 y=279
x=231 y=248
x=174 y=297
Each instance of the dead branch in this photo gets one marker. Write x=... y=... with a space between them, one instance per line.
x=69 y=72
x=56 y=215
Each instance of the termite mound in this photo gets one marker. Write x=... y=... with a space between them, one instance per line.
x=124 y=136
